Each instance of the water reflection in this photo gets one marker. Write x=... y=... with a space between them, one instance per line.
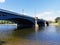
x=58 y=28
x=31 y=36
x=36 y=35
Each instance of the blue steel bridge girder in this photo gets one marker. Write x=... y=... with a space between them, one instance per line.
x=19 y=18
x=6 y=16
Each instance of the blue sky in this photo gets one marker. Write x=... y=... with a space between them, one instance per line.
x=46 y=9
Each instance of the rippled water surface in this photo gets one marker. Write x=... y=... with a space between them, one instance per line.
x=30 y=36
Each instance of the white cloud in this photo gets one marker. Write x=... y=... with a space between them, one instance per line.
x=47 y=15
x=24 y=13
x=58 y=11
x=2 y=1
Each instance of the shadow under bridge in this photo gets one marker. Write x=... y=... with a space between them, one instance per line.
x=21 y=22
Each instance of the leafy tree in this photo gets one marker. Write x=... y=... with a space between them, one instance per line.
x=57 y=19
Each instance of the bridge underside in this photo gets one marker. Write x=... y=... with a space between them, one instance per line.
x=21 y=22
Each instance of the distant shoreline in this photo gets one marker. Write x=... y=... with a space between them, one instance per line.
x=55 y=24
x=9 y=24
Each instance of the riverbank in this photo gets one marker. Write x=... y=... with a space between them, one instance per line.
x=55 y=24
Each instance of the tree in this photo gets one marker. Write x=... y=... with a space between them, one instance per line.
x=57 y=19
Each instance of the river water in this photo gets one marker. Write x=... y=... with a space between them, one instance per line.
x=50 y=35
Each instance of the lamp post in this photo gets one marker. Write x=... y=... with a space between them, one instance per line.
x=23 y=11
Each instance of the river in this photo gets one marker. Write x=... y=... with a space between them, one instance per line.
x=50 y=35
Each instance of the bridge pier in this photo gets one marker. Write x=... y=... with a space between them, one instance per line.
x=40 y=24
x=47 y=23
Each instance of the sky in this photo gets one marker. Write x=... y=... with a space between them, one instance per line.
x=43 y=9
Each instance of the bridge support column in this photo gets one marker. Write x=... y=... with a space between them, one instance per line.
x=36 y=25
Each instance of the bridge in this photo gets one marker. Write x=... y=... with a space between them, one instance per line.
x=20 y=19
